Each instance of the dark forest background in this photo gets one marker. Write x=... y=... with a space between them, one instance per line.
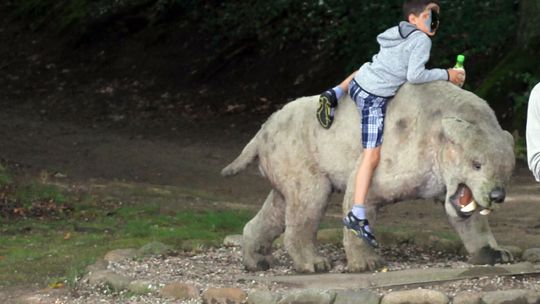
x=152 y=62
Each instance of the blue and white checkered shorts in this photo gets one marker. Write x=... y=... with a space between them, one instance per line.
x=372 y=110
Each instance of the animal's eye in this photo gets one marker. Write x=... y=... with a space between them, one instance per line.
x=476 y=165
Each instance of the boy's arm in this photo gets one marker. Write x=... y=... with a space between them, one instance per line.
x=533 y=132
x=416 y=71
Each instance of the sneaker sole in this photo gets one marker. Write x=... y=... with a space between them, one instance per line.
x=361 y=236
x=324 y=105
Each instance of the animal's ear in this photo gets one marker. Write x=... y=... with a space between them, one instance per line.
x=509 y=137
x=457 y=130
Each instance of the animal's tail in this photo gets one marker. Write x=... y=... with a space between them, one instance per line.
x=248 y=155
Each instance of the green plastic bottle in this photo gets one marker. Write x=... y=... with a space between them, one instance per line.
x=459 y=62
x=459 y=66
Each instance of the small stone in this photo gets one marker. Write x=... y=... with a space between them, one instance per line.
x=315 y=296
x=141 y=287
x=415 y=296
x=234 y=240
x=224 y=296
x=532 y=255
x=100 y=264
x=263 y=297
x=154 y=248
x=360 y=296
x=60 y=175
x=467 y=297
x=179 y=291
x=118 y=255
x=114 y=280
x=516 y=251
x=513 y=296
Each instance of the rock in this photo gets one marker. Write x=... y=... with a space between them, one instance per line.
x=117 y=281
x=155 y=248
x=263 y=297
x=224 y=296
x=179 y=291
x=98 y=277
x=312 y=296
x=513 y=296
x=516 y=251
x=234 y=240
x=120 y=254
x=467 y=297
x=100 y=264
x=114 y=280
x=141 y=287
x=360 y=296
x=415 y=296
x=532 y=255
x=60 y=175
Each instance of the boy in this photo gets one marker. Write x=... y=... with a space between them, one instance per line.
x=533 y=132
x=404 y=51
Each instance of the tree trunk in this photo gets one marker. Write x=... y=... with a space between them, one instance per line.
x=529 y=24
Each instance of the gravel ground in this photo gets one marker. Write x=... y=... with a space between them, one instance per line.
x=221 y=267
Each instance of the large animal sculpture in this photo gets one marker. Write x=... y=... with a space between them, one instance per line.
x=440 y=142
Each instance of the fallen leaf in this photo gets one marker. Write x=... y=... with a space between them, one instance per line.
x=56 y=285
x=67 y=236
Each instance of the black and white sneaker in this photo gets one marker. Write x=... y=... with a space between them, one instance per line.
x=357 y=226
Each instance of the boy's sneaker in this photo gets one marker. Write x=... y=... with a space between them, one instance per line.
x=325 y=113
x=357 y=226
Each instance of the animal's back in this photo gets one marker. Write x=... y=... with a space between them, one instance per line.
x=291 y=142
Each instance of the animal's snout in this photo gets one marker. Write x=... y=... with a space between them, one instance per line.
x=497 y=195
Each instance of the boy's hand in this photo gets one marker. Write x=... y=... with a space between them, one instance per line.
x=457 y=77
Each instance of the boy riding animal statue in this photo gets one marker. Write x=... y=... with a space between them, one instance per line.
x=441 y=142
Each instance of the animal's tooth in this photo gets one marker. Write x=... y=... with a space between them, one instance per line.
x=485 y=212
x=469 y=207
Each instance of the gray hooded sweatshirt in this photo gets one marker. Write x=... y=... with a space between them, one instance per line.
x=404 y=52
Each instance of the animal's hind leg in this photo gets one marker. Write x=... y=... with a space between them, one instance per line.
x=261 y=231
x=306 y=205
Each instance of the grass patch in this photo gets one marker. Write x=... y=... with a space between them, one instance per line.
x=57 y=249
x=62 y=248
x=35 y=191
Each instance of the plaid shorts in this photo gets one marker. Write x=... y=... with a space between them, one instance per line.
x=372 y=110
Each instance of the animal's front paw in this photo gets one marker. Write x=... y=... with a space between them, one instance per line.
x=491 y=256
x=317 y=264
x=257 y=262
x=366 y=263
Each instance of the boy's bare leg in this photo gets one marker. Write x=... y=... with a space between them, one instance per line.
x=370 y=160
x=356 y=219
x=344 y=85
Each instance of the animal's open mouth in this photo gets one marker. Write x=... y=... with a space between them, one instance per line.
x=464 y=202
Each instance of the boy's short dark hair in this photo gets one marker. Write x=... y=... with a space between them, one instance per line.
x=416 y=7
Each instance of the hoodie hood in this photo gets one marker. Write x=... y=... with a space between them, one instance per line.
x=403 y=54
x=396 y=35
